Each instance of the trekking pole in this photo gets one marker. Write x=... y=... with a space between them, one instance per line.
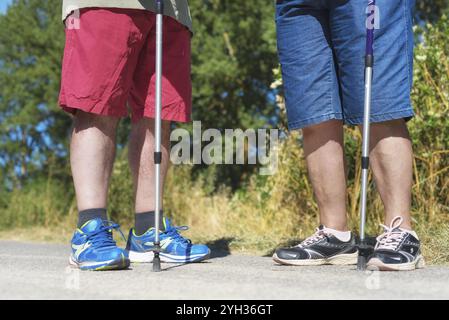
x=157 y=130
x=364 y=249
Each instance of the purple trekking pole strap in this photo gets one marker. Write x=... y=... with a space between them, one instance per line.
x=370 y=25
x=160 y=6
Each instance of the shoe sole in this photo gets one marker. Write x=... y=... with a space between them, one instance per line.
x=118 y=264
x=377 y=265
x=340 y=260
x=147 y=257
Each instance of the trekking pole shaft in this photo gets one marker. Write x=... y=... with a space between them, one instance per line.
x=365 y=150
x=363 y=248
x=158 y=125
x=369 y=64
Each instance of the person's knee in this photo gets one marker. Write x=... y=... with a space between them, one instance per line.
x=390 y=129
x=324 y=129
x=146 y=126
x=317 y=136
x=84 y=120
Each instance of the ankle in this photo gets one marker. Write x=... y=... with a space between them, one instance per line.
x=90 y=214
x=146 y=220
x=340 y=227
x=344 y=236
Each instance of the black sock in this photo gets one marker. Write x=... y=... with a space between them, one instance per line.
x=145 y=221
x=90 y=214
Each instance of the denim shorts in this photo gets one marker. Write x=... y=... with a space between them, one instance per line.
x=321 y=46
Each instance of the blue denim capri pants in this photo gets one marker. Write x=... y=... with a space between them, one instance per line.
x=321 y=45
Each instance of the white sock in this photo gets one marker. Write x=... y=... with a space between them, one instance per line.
x=344 y=236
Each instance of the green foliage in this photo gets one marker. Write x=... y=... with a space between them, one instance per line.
x=45 y=202
x=121 y=208
x=430 y=128
x=31 y=42
x=431 y=89
x=431 y=10
x=234 y=53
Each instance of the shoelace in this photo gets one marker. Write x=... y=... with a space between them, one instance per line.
x=102 y=237
x=317 y=236
x=173 y=232
x=392 y=236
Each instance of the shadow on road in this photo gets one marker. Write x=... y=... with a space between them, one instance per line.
x=220 y=248
x=285 y=244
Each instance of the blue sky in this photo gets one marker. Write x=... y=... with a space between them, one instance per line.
x=3 y=5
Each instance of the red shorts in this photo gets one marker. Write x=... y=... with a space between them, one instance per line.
x=109 y=65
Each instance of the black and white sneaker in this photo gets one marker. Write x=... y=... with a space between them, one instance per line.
x=396 y=250
x=321 y=248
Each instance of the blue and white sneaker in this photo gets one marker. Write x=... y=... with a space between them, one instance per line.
x=93 y=247
x=174 y=247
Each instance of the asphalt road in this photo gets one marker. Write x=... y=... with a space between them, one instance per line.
x=40 y=271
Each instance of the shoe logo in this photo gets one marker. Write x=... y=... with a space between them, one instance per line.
x=164 y=244
x=396 y=259
x=80 y=248
x=291 y=255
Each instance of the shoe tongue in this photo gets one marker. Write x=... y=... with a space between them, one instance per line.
x=167 y=224
x=397 y=229
x=92 y=225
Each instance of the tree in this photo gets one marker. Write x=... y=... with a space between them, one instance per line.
x=431 y=10
x=32 y=128
x=234 y=53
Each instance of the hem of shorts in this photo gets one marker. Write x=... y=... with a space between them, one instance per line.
x=182 y=117
x=88 y=106
x=313 y=121
x=406 y=114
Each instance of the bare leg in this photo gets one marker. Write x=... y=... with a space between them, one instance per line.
x=324 y=150
x=92 y=153
x=141 y=160
x=392 y=165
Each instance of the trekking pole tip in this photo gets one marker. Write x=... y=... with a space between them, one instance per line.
x=361 y=263
x=365 y=252
x=156 y=263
